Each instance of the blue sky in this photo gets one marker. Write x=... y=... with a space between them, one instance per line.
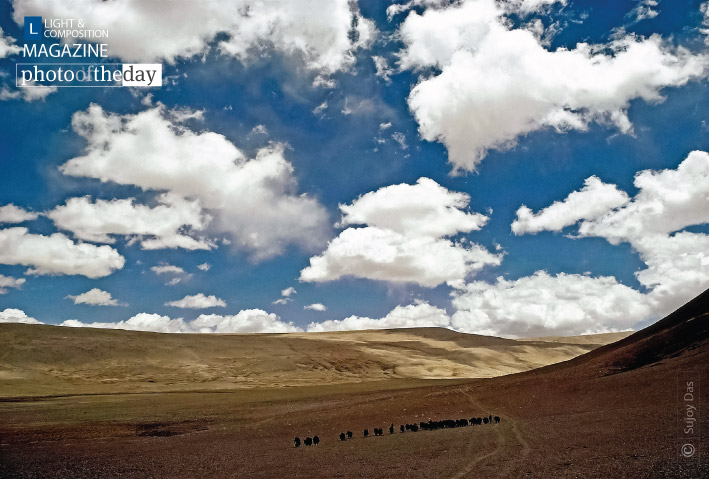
x=269 y=94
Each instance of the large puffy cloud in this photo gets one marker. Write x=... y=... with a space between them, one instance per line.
x=379 y=254
x=95 y=297
x=10 y=282
x=419 y=315
x=592 y=201
x=405 y=238
x=12 y=315
x=198 y=301
x=423 y=209
x=151 y=151
x=323 y=32
x=14 y=214
x=667 y=201
x=653 y=223
x=497 y=83
x=163 y=224
x=541 y=304
x=57 y=254
x=677 y=267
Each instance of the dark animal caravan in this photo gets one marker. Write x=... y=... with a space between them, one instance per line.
x=308 y=441
x=413 y=427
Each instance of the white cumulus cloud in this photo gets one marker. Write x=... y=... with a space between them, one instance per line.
x=592 y=201
x=7 y=45
x=653 y=222
x=148 y=150
x=30 y=93
x=286 y=295
x=537 y=305
x=14 y=214
x=405 y=238
x=198 y=301
x=316 y=307
x=423 y=209
x=95 y=297
x=323 y=33
x=139 y=322
x=11 y=315
x=164 y=225
x=474 y=105
x=667 y=201
x=246 y=321
x=677 y=268
x=645 y=9
x=10 y=282
x=529 y=6
x=57 y=254
x=167 y=269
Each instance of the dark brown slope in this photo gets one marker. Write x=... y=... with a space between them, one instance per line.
x=613 y=412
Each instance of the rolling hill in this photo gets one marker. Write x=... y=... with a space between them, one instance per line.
x=52 y=360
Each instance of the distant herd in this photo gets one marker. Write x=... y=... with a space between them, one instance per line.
x=424 y=426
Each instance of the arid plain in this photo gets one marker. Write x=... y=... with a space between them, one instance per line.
x=101 y=403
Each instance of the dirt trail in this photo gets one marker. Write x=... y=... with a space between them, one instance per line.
x=500 y=444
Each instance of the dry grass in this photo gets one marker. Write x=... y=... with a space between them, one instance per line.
x=46 y=360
